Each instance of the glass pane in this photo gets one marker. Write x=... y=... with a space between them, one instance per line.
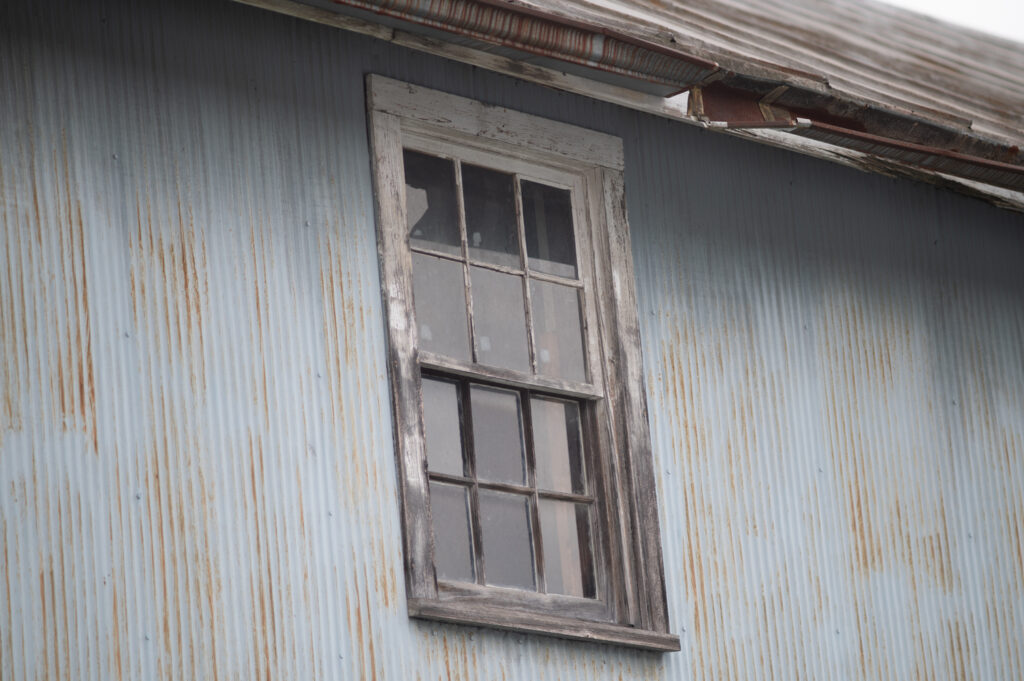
x=547 y=217
x=490 y=216
x=449 y=511
x=441 y=426
x=508 y=546
x=439 y=291
x=497 y=435
x=499 y=315
x=557 y=445
x=567 y=566
x=431 y=215
x=557 y=330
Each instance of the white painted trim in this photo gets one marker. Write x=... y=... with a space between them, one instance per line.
x=493 y=123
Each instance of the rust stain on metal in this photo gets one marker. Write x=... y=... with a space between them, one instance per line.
x=168 y=284
x=360 y=620
x=13 y=315
x=886 y=496
x=72 y=374
x=936 y=547
x=264 y=581
x=344 y=329
x=373 y=635
x=447 y=657
x=261 y=308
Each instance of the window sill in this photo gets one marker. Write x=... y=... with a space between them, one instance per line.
x=497 y=617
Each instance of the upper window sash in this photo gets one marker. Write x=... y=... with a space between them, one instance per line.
x=592 y=386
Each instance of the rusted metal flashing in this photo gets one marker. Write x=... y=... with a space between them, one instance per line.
x=729 y=107
x=722 y=106
x=539 y=33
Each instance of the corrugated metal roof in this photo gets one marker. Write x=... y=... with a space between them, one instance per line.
x=854 y=49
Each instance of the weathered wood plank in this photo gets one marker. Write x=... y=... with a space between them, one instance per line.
x=619 y=511
x=508 y=377
x=497 y=123
x=396 y=282
x=551 y=625
x=632 y=397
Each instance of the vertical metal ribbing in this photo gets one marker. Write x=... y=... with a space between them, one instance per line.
x=833 y=365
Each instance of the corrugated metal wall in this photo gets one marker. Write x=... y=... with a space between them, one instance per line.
x=196 y=467
x=836 y=364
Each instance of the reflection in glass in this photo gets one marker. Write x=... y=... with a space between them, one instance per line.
x=557 y=330
x=547 y=217
x=440 y=299
x=449 y=512
x=430 y=208
x=565 y=529
x=557 y=445
x=490 y=216
x=497 y=435
x=508 y=546
x=441 y=426
x=499 y=316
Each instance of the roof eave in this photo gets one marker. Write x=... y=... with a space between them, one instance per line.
x=931 y=141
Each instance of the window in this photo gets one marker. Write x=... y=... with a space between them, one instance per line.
x=521 y=427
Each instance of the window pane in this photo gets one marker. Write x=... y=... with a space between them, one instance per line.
x=490 y=216
x=558 y=334
x=547 y=217
x=440 y=299
x=508 y=546
x=557 y=445
x=441 y=426
x=449 y=511
x=497 y=435
x=565 y=528
x=499 y=315
x=431 y=215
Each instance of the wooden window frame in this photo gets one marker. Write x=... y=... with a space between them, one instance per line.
x=630 y=608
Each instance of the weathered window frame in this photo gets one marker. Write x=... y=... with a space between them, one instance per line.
x=631 y=608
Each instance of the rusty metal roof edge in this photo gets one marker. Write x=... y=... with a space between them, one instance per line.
x=722 y=66
x=734 y=66
x=967 y=140
x=724 y=107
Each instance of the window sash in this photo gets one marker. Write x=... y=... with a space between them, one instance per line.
x=576 y=183
x=473 y=480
